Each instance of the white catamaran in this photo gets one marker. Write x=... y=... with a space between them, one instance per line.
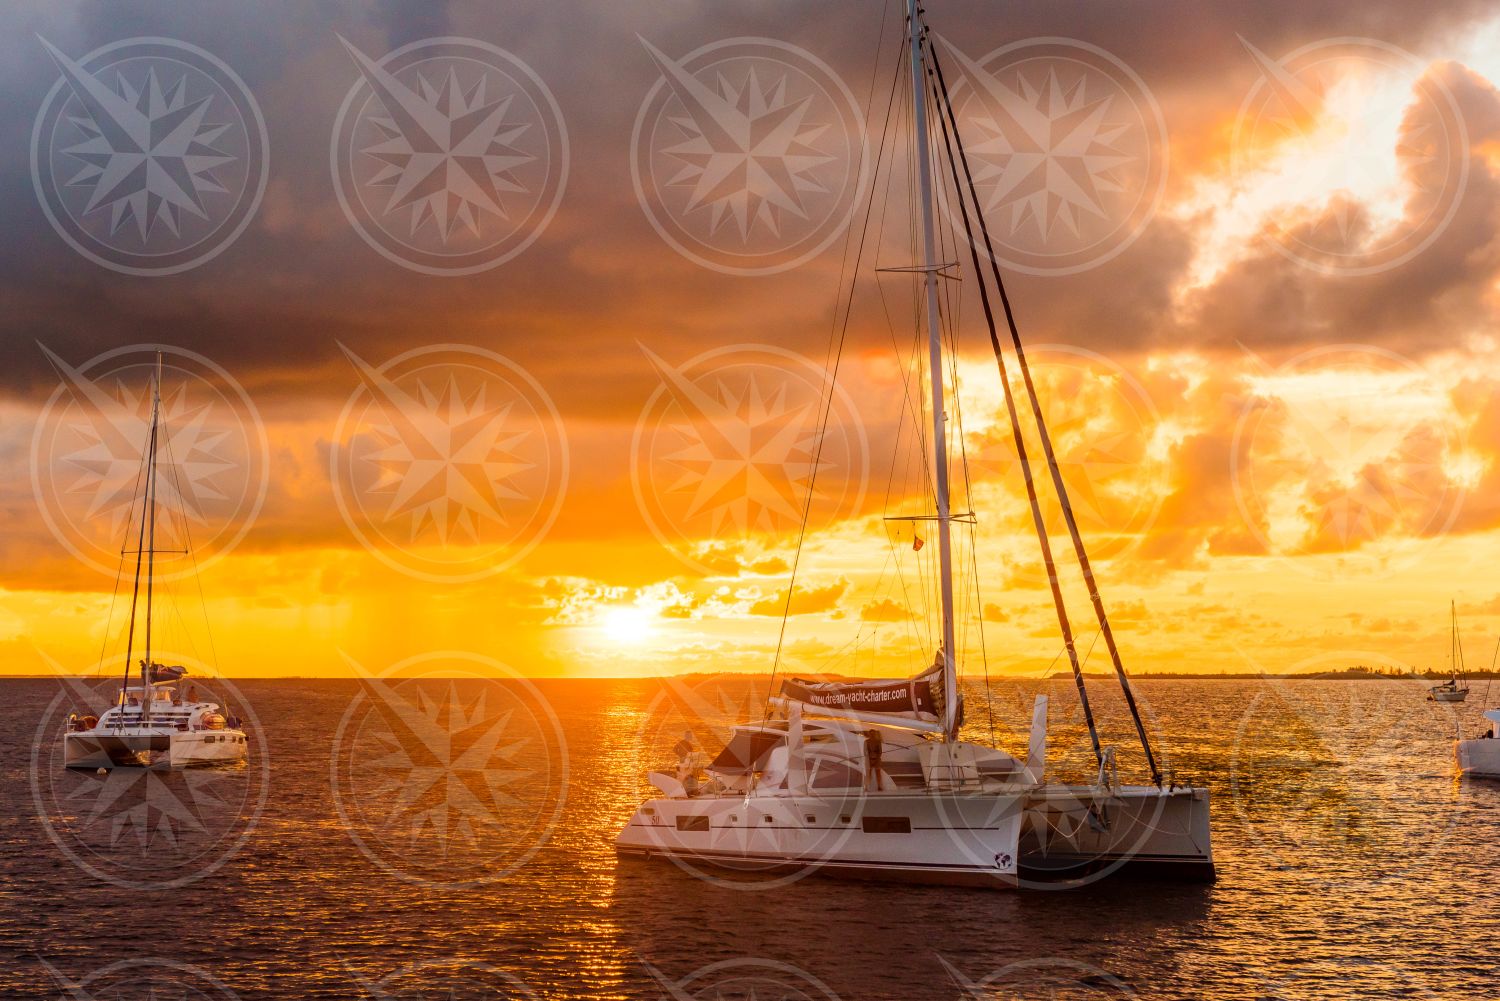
x=870 y=778
x=157 y=718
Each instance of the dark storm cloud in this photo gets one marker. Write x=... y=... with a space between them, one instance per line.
x=572 y=308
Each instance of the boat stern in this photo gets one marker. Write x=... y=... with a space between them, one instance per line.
x=1082 y=832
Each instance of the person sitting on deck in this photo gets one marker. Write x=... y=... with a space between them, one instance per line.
x=687 y=766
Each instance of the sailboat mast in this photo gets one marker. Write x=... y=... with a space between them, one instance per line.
x=146 y=690
x=929 y=271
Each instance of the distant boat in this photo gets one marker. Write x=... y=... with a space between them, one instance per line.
x=157 y=719
x=869 y=778
x=1455 y=688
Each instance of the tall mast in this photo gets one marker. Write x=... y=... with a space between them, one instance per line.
x=929 y=271
x=146 y=690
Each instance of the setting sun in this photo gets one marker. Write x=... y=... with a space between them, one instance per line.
x=496 y=494
x=628 y=625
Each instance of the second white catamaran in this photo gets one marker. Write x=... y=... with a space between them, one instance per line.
x=157 y=718
x=870 y=778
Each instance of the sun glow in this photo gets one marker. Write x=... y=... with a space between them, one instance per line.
x=628 y=625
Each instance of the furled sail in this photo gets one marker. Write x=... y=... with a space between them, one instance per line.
x=920 y=699
x=166 y=672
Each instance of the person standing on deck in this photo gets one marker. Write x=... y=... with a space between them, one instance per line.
x=874 y=750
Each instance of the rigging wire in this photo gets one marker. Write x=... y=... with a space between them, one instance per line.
x=192 y=554
x=952 y=323
x=148 y=498
x=1079 y=550
x=837 y=337
x=912 y=405
x=1064 y=624
x=120 y=569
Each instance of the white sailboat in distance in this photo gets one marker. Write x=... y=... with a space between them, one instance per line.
x=156 y=718
x=870 y=779
x=1456 y=688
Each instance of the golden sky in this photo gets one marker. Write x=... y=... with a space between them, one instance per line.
x=557 y=401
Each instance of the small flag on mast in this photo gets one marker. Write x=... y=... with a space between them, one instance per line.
x=917 y=542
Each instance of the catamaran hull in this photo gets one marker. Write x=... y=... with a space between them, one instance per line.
x=1479 y=758
x=886 y=836
x=175 y=749
x=1073 y=833
x=1001 y=841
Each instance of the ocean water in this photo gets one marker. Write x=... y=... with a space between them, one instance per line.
x=432 y=838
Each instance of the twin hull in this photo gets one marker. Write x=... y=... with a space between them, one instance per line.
x=1480 y=757
x=176 y=748
x=998 y=839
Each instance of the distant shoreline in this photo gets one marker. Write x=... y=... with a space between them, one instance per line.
x=1349 y=674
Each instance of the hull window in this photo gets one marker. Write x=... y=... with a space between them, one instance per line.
x=692 y=824
x=886 y=825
